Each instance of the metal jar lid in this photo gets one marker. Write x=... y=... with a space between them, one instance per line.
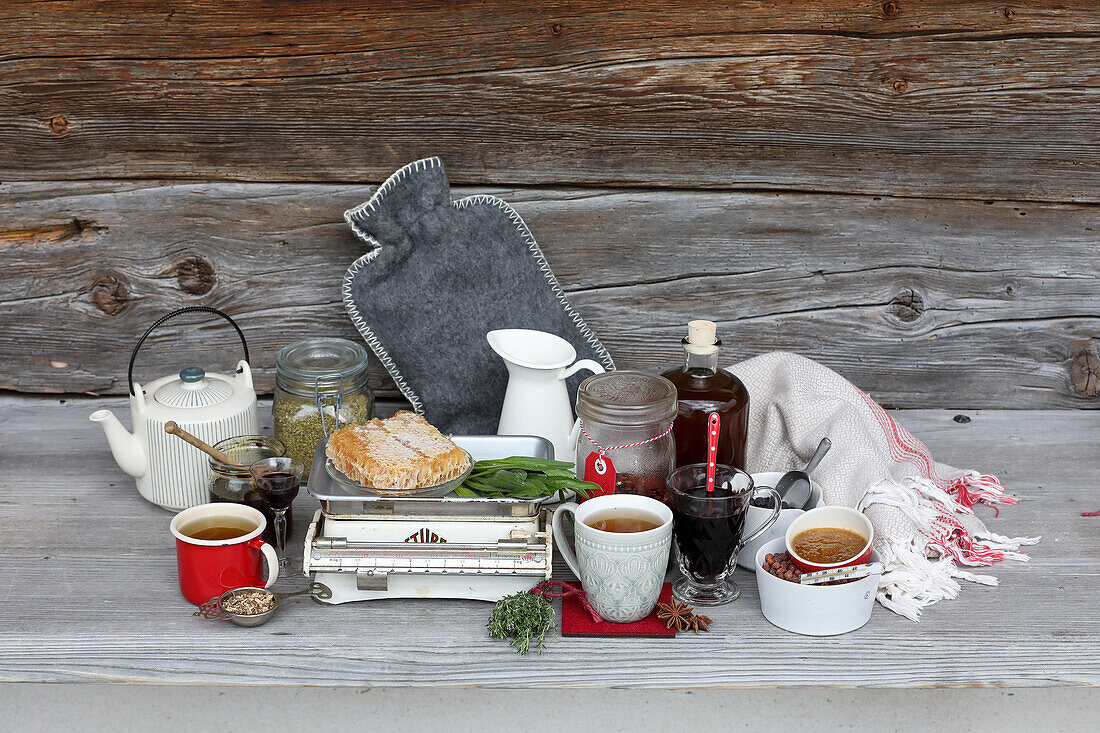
x=627 y=398
x=321 y=365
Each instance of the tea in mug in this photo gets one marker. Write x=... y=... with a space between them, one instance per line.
x=623 y=520
x=218 y=528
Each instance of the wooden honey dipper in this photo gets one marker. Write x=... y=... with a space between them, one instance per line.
x=172 y=428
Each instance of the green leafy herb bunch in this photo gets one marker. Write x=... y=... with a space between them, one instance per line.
x=524 y=478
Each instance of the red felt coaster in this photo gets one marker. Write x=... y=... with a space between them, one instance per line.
x=576 y=621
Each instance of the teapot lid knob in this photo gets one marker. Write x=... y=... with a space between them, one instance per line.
x=192 y=374
x=194 y=388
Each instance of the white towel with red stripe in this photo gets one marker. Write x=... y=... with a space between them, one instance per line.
x=923 y=511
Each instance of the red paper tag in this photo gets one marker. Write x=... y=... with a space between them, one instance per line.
x=600 y=471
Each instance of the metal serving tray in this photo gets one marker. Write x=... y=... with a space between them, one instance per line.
x=342 y=500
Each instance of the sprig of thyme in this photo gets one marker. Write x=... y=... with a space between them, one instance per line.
x=524 y=617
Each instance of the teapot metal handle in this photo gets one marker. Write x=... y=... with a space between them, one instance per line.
x=173 y=314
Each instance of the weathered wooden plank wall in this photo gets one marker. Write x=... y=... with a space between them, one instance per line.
x=937 y=98
x=904 y=190
x=954 y=306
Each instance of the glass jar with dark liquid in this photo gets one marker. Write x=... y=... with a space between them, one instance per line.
x=234 y=483
x=702 y=388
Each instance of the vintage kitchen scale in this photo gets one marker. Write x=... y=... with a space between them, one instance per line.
x=365 y=547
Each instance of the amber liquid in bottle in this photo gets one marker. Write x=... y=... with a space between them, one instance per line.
x=702 y=388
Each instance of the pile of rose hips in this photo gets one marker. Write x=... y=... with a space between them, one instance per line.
x=781 y=566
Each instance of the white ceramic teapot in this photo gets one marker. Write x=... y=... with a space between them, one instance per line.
x=169 y=472
x=536 y=401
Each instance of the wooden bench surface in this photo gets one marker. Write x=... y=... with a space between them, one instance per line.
x=88 y=590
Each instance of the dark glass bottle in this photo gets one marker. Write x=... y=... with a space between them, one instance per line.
x=702 y=388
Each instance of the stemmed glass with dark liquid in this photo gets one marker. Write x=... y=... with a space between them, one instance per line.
x=708 y=528
x=277 y=480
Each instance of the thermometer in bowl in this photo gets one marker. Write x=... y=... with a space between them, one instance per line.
x=846 y=573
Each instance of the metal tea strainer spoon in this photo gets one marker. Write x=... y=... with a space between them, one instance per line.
x=215 y=608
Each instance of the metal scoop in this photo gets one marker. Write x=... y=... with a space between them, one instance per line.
x=794 y=486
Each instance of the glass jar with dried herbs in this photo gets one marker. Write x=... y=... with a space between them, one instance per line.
x=320 y=385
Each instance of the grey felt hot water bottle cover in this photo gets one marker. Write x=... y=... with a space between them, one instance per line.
x=439 y=275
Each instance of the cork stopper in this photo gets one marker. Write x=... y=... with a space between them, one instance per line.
x=702 y=337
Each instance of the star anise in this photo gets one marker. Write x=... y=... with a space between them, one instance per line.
x=700 y=623
x=676 y=613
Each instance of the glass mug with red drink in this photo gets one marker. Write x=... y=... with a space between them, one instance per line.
x=708 y=527
x=218 y=548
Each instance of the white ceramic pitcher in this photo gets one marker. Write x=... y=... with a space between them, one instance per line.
x=536 y=401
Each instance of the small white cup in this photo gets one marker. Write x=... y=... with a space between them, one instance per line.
x=622 y=572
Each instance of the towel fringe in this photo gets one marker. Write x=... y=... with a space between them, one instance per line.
x=911 y=580
x=973 y=487
x=926 y=568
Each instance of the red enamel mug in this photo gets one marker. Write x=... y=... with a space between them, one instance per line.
x=218 y=548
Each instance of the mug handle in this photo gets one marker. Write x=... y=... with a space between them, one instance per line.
x=272 y=560
x=559 y=536
x=767 y=523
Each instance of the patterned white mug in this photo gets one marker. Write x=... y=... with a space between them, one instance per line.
x=622 y=572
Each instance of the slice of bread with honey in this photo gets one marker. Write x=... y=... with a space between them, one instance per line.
x=403 y=452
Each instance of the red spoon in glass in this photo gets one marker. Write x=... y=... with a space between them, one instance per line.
x=713 y=422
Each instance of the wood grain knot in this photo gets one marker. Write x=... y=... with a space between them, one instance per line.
x=195 y=275
x=557 y=29
x=900 y=85
x=1009 y=13
x=109 y=294
x=908 y=305
x=58 y=125
x=1085 y=373
x=890 y=9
